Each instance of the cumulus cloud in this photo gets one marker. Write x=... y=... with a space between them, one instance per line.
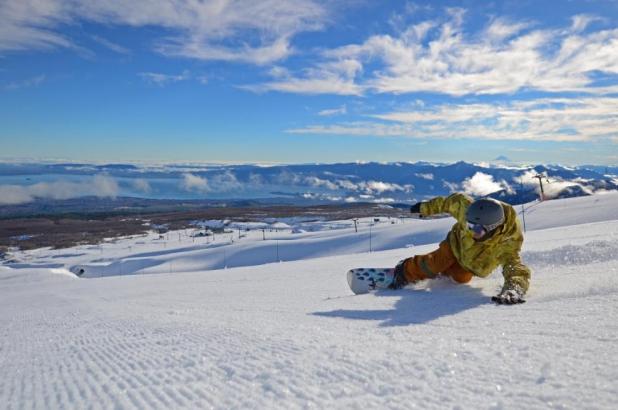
x=347 y=184
x=527 y=179
x=369 y=187
x=555 y=187
x=257 y=32
x=224 y=182
x=287 y=178
x=141 y=185
x=381 y=187
x=191 y=182
x=481 y=184
x=552 y=186
x=373 y=187
x=320 y=183
x=99 y=185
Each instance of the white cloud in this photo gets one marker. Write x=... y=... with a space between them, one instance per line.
x=436 y=55
x=510 y=60
x=28 y=24
x=334 y=111
x=548 y=119
x=555 y=187
x=428 y=177
x=358 y=128
x=579 y=22
x=249 y=31
x=481 y=184
x=30 y=82
x=500 y=30
x=287 y=178
x=105 y=186
x=256 y=180
x=552 y=187
x=191 y=182
x=224 y=182
x=321 y=183
x=142 y=185
x=527 y=178
x=384 y=200
x=164 y=79
x=336 y=77
x=381 y=187
x=370 y=187
x=99 y=185
x=117 y=48
x=440 y=57
x=349 y=185
x=451 y=186
x=15 y=194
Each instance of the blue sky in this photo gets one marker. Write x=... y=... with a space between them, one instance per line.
x=309 y=81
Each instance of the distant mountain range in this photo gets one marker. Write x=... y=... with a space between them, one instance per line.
x=27 y=183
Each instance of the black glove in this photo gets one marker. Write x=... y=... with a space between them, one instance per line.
x=416 y=208
x=399 y=278
x=509 y=297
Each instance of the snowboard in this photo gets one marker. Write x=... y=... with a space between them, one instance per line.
x=365 y=280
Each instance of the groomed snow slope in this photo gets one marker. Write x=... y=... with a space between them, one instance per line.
x=290 y=334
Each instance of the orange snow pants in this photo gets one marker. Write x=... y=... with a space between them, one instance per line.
x=440 y=261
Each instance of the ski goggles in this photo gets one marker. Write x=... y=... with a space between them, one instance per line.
x=477 y=228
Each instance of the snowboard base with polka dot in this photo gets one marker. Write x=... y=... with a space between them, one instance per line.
x=365 y=280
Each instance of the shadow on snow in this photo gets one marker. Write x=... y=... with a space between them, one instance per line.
x=418 y=306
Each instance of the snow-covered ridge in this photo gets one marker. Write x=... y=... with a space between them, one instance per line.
x=289 y=335
x=246 y=244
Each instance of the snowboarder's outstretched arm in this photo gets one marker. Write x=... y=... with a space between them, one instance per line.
x=516 y=280
x=455 y=204
x=516 y=274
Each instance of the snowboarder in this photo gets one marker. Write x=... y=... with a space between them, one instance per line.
x=487 y=234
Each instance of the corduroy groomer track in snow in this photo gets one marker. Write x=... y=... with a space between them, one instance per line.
x=161 y=323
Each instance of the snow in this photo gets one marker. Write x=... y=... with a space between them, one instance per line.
x=269 y=334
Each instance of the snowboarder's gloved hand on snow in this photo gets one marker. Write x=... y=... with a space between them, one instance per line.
x=399 y=278
x=416 y=209
x=509 y=297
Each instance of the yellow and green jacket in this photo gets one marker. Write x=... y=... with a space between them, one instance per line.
x=483 y=257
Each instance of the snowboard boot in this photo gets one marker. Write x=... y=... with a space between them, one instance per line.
x=399 y=277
